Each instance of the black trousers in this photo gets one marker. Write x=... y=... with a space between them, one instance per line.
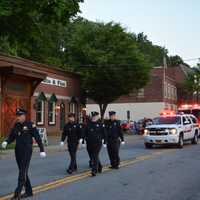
x=23 y=158
x=93 y=152
x=72 y=148
x=113 y=152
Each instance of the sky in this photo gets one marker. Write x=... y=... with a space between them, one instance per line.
x=174 y=24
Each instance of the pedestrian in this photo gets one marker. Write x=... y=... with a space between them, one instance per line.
x=114 y=138
x=23 y=133
x=73 y=131
x=95 y=136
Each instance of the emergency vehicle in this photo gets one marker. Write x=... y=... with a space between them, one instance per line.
x=193 y=109
x=172 y=128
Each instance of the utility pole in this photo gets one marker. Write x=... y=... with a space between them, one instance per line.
x=164 y=76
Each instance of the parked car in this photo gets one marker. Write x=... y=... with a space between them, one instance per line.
x=125 y=125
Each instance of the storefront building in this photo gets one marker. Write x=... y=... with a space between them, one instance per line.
x=47 y=93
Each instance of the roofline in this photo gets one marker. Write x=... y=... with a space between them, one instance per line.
x=50 y=67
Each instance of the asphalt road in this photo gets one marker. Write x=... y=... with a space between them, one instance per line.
x=157 y=174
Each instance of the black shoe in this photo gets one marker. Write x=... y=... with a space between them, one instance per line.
x=25 y=195
x=116 y=167
x=93 y=173
x=111 y=167
x=16 y=197
x=69 y=171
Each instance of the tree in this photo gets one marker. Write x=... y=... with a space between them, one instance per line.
x=109 y=60
x=192 y=83
x=153 y=53
x=22 y=21
x=175 y=60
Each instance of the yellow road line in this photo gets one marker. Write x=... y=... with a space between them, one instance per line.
x=86 y=174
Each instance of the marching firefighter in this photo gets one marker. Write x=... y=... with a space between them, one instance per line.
x=23 y=133
x=114 y=138
x=73 y=132
x=95 y=135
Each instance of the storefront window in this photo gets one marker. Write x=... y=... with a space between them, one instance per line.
x=40 y=113
x=72 y=108
x=52 y=113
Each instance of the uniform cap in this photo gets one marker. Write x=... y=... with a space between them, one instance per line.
x=20 y=111
x=112 y=113
x=94 y=113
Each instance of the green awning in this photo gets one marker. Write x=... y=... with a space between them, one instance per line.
x=53 y=98
x=41 y=97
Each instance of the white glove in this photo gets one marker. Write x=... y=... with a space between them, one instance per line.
x=62 y=144
x=43 y=154
x=105 y=145
x=4 y=144
x=123 y=143
x=80 y=141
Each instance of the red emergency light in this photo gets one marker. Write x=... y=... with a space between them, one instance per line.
x=167 y=113
x=189 y=106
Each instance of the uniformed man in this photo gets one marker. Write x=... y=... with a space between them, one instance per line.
x=23 y=133
x=114 y=138
x=73 y=132
x=95 y=135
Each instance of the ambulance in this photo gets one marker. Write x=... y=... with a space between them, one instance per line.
x=193 y=109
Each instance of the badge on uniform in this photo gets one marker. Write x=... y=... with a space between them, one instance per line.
x=91 y=129
x=25 y=128
x=115 y=124
x=19 y=133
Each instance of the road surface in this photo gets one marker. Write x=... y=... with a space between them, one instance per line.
x=157 y=174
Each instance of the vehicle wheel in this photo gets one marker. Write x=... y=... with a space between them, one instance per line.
x=181 y=142
x=195 y=139
x=148 y=145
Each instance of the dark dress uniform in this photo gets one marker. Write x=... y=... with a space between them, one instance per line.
x=24 y=133
x=73 y=132
x=114 y=135
x=94 y=135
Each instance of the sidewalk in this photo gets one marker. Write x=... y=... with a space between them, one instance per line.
x=54 y=147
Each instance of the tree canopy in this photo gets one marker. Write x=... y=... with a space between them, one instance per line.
x=192 y=83
x=108 y=59
x=112 y=61
x=23 y=22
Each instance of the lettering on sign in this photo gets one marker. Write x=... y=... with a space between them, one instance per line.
x=56 y=82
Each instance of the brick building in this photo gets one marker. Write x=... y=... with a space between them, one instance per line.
x=48 y=93
x=162 y=92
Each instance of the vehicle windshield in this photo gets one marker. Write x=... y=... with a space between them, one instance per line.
x=168 y=120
